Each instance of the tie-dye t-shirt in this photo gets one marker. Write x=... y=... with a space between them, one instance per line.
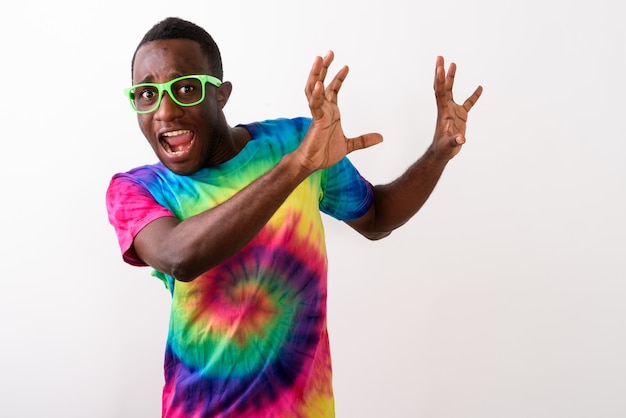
x=247 y=338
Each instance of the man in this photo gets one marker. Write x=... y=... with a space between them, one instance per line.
x=230 y=221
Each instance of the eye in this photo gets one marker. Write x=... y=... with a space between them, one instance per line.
x=146 y=94
x=186 y=89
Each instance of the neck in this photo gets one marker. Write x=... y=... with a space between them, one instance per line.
x=230 y=142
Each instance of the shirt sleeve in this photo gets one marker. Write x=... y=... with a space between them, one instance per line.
x=130 y=208
x=346 y=195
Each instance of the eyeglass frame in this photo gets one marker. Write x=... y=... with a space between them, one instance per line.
x=167 y=87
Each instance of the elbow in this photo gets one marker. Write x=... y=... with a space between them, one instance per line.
x=376 y=236
x=369 y=230
x=185 y=268
x=189 y=262
x=181 y=272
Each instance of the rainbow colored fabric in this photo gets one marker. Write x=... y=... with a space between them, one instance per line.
x=247 y=338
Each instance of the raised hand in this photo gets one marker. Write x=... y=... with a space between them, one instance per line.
x=451 y=117
x=325 y=143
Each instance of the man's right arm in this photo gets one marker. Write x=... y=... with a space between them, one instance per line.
x=185 y=249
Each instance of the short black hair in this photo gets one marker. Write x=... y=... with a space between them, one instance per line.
x=176 y=28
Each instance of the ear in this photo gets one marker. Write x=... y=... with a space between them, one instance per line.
x=223 y=93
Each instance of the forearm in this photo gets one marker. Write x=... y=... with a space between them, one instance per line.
x=397 y=202
x=191 y=247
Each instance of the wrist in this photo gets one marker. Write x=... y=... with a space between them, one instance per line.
x=294 y=167
x=434 y=156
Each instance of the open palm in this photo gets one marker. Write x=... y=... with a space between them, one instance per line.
x=451 y=117
x=325 y=143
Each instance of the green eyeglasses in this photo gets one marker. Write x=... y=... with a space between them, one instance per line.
x=184 y=91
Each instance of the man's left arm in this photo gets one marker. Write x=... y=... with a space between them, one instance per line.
x=396 y=202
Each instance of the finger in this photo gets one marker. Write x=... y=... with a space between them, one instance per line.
x=363 y=141
x=450 y=80
x=471 y=101
x=332 y=90
x=313 y=77
x=326 y=61
x=440 y=75
x=316 y=100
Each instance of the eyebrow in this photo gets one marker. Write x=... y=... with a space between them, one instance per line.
x=150 y=78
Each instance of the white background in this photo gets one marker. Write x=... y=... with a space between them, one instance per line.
x=504 y=297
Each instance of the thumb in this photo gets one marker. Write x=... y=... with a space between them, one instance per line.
x=363 y=141
x=458 y=140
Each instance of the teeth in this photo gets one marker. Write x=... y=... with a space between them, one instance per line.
x=175 y=133
x=175 y=147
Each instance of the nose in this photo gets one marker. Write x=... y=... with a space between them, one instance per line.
x=167 y=110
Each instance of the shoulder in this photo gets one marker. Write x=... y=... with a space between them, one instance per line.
x=279 y=127
x=149 y=181
x=143 y=175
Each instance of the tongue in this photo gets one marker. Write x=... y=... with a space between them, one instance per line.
x=179 y=142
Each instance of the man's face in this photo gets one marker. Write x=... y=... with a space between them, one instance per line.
x=185 y=139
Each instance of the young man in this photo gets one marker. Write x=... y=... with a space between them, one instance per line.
x=230 y=221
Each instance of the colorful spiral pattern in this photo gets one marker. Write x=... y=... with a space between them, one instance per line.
x=247 y=338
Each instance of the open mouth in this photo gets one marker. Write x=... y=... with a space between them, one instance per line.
x=176 y=142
